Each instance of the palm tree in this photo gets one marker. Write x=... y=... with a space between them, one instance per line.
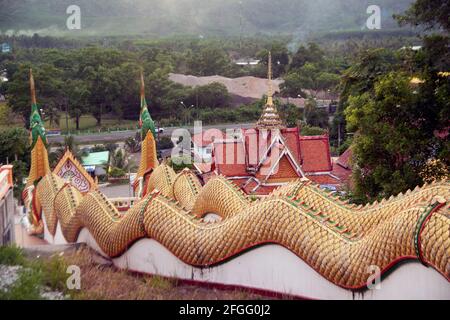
x=132 y=145
x=121 y=160
x=69 y=144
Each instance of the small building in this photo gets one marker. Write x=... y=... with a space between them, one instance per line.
x=96 y=163
x=7 y=205
x=5 y=47
x=247 y=62
x=202 y=146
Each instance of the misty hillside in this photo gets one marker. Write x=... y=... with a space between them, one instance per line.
x=202 y=17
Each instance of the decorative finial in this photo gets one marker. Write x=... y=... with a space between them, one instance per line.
x=143 y=102
x=270 y=119
x=36 y=123
x=145 y=120
x=269 y=77
x=32 y=88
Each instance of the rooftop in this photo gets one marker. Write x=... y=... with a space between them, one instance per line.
x=96 y=158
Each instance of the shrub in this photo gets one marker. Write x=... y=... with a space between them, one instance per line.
x=308 y=130
x=117 y=173
x=54 y=273
x=165 y=143
x=181 y=163
x=11 y=256
x=27 y=287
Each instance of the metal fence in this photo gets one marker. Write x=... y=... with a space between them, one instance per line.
x=7 y=206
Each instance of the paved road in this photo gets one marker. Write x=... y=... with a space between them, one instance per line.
x=117 y=191
x=122 y=135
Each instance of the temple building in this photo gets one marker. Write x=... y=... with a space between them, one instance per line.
x=176 y=227
x=269 y=155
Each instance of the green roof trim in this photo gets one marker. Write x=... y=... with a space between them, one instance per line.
x=147 y=122
x=37 y=127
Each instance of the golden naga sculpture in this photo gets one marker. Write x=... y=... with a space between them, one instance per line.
x=149 y=159
x=337 y=239
x=39 y=160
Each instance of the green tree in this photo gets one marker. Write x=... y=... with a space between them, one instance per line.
x=77 y=100
x=290 y=113
x=68 y=144
x=314 y=116
x=280 y=60
x=395 y=136
x=214 y=95
x=310 y=54
x=401 y=126
x=309 y=77
x=360 y=78
x=209 y=61
x=14 y=144
x=49 y=85
x=431 y=13
x=100 y=70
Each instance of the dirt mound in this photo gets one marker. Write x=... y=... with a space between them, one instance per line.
x=248 y=87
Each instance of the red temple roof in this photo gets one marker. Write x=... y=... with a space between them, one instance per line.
x=267 y=156
x=344 y=159
x=229 y=158
x=315 y=154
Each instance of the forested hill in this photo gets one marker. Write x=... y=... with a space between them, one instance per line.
x=202 y=17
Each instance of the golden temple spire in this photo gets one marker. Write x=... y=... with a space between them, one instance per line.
x=32 y=88
x=142 y=86
x=39 y=166
x=145 y=121
x=149 y=159
x=270 y=119
x=269 y=77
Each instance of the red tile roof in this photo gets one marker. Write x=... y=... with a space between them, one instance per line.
x=229 y=158
x=324 y=179
x=315 y=154
x=292 y=138
x=261 y=191
x=342 y=173
x=236 y=158
x=248 y=187
x=344 y=159
x=256 y=144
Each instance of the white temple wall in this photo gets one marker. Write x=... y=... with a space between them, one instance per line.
x=274 y=268
x=58 y=238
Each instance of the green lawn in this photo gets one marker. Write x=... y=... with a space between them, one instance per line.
x=88 y=122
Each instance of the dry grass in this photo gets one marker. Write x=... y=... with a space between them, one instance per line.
x=107 y=282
